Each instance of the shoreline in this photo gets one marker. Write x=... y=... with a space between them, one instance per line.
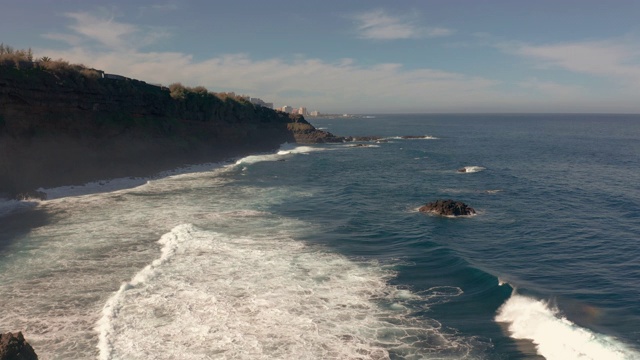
x=19 y=216
x=11 y=205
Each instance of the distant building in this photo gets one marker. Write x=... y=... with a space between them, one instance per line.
x=287 y=109
x=315 y=113
x=302 y=111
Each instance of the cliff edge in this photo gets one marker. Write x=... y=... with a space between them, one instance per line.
x=70 y=125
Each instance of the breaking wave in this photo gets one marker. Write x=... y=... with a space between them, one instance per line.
x=471 y=169
x=555 y=337
x=413 y=137
x=216 y=295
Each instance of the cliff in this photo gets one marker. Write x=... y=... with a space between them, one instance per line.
x=68 y=127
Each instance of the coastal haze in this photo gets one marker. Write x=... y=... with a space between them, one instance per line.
x=240 y=180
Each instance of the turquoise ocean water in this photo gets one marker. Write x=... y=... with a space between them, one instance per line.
x=318 y=252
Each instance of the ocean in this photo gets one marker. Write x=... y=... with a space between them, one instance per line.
x=319 y=252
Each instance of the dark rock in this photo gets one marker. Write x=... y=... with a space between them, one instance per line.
x=305 y=133
x=362 y=138
x=447 y=208
x=462 y=170
x=14 y=347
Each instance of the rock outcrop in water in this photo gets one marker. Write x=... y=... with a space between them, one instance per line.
x=447 y=208
x=305 y=133
x=66 y=127
x=15 y=347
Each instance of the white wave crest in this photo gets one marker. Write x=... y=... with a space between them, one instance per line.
x=362 y=146
x=105 y=326
x=299 y=150
x=412 y=137
x=470 y=169
x=211 y=295
x=555 y=337
x=285 y=149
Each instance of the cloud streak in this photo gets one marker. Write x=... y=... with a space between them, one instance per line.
x=612 y=59
x=95 y=31
x=378 y=25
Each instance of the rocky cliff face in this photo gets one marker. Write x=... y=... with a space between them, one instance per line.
x=68 y=128
x=14 y=347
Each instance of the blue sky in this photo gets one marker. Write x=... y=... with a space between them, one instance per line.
x=357 y=56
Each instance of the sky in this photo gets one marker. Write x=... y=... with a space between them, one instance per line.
x=356 y=56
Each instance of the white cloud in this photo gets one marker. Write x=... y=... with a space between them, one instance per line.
x=96 y=31
x=613 y=59
x=379 y=25
x=344 y=85
x=107 y=32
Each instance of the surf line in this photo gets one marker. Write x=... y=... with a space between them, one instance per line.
x=170 y=241
x=554 y=336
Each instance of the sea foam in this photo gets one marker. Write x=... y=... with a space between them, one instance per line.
x=211 y=294
x=471 y=169
x=285 y=149
x=106 y=325
x=423 y=137
x=555 y=337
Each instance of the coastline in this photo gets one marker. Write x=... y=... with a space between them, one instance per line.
x=45 y=190
x=19 y=217
x=69 y=128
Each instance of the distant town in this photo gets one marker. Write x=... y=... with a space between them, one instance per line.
x=288 y=109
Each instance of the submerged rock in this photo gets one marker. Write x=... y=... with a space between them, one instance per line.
x=362 y=138
x=447 y=208
x=14 y=347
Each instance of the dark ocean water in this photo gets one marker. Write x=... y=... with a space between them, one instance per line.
x=319 y=251
x=559 y=213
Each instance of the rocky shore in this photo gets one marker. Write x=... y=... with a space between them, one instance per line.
x=15 y=347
